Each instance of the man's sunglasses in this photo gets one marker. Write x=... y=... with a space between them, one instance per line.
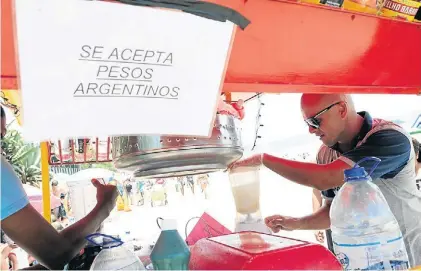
x=314 y=122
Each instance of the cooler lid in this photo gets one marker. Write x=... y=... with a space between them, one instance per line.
x=256 y=243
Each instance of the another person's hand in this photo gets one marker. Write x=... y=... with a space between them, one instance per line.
x=320 y=236
x=106 y=195
x=5 y=250
x=252 y=161
x=4 y=261
x=13 y=246
x=286 y=223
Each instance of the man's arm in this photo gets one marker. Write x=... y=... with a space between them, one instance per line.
x=321 y=177
x=319 y=220
x=391 y=146
x=52 y=249
x=316 y=199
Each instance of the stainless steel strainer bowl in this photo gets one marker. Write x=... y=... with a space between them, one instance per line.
x=172 y=156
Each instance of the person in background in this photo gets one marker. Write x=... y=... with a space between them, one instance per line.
x=417 y=149
x=25 y=226
x=141 y=187
x=128 y=186
x=181 y=184
x=120 y=188
x=62 y=214
x=349 y=136
x=203 y=182
x=5 y=250
x=32 y=261
x=67 y=205
x=60 y=193
x=55 y=190
x=53 y=218
x=8 y=258
x=13 y=259
x=190 y=181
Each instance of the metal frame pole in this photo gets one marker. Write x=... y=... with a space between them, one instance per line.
x=45 y=174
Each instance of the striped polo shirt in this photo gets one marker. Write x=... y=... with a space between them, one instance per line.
x=395 y=175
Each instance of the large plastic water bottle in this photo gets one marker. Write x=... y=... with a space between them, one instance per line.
x=170 y=251
x=113 y=255
x=365 y=233
x=128 y=240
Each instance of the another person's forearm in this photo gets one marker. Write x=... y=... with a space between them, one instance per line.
x=316 y=199
x=321 y=177
x=76 y=233
x=74 y=238
x=319 y=220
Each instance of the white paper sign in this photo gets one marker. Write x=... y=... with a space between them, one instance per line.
x=93 y=68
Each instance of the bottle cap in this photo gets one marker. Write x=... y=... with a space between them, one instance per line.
x=169 y=224
x=355 y=174
x=358 y=173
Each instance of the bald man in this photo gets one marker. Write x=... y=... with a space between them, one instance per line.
x=347 y=137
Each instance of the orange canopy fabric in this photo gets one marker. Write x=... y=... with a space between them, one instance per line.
x=295 y=47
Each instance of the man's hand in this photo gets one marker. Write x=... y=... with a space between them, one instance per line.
x=286 y=223
x=106 y=195
x=252 y=161
x=233 y=109
x=320 y=236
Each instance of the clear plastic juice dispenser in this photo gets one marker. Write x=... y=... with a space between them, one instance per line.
x=245 y=186
x=82 y=197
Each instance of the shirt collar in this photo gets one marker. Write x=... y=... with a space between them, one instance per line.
x=365 y=128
